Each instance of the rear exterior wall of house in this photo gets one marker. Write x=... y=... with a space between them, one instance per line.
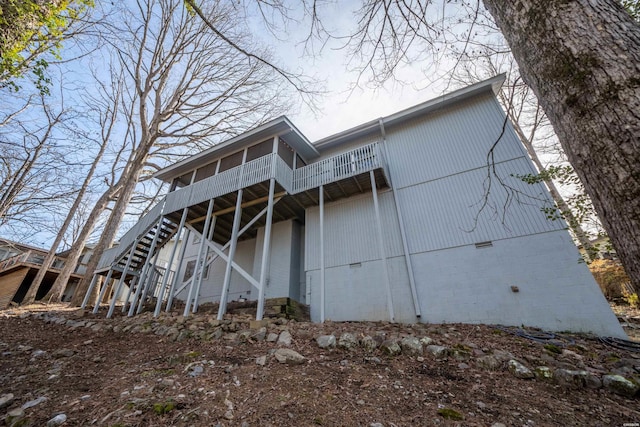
x=481 y=248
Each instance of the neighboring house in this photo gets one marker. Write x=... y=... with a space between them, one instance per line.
x=415 y=217
x=19 y=265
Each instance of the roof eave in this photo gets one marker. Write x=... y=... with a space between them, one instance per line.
x=494 y=83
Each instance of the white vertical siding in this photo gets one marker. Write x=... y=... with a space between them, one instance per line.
x=351 y=233
x=280 y=262
x=212 y=285
x=448 y=212
x=450 y=141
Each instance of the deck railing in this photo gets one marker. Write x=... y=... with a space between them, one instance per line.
x=30 y=257
x=341 y=166
x=345 y=165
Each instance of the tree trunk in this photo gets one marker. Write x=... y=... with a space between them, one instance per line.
x=582 y=60
x=55 y=294
x=60 y=284
x=129 y=180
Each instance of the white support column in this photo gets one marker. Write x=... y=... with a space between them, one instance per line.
x=147 y=283
x=142 y=285
x=87 y=295
x=103 y=291
x=112 y=306
x=203 y=265
x=197 y=267
x=322 y=280
x=403 y=233
x=165 y=278
x=176 y=276
x=383 y=257
x=232 y=251
x=266 y=249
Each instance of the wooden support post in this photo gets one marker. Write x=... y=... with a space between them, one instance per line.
x=383 y=257
x=232 y=251
x=266 y=249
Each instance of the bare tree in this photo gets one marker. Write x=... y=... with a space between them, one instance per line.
x=185 y=89
x=107 y=117
x=32 y=154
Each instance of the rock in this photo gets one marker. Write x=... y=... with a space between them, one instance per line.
x=14 y=416
x=376 y=425
x=172 y=333
x=261 y=361
x=245 y=336
x=488 y=362
x=519 y=370
x=326 y=341
x=426 y=341
x=288 y=356
x=347 y=341
x=576 y=379
x=272 y=337
x=6 y=400
x=391 y=348
x=167 y=382
x=438 y=351
x=63 y=352
x=38 y=353
x=34 y=402
x=284 y=338
x=620 y=385
x=411 y=346
x=502 y=356
x=368 y=343
x=57 y=420
x=498 y=425
x=543 y=373
x=260 y=334
x=196 y=370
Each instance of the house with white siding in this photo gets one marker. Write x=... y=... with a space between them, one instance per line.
x=414 y=217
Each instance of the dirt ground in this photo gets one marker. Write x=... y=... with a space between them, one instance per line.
x=116 y=378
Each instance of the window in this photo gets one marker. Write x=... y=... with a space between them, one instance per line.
x=231 y=161
x=189 y=270
x=285 y=152
x=260 y=150
x=206 y=171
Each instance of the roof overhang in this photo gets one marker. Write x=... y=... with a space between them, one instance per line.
x=493 y=84
x=281 y=126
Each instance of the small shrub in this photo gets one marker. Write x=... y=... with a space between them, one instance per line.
x=450 y=414
x=610 y=276
x=632 y=299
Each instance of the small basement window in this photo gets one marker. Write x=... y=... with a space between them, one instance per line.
x=486 y=244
